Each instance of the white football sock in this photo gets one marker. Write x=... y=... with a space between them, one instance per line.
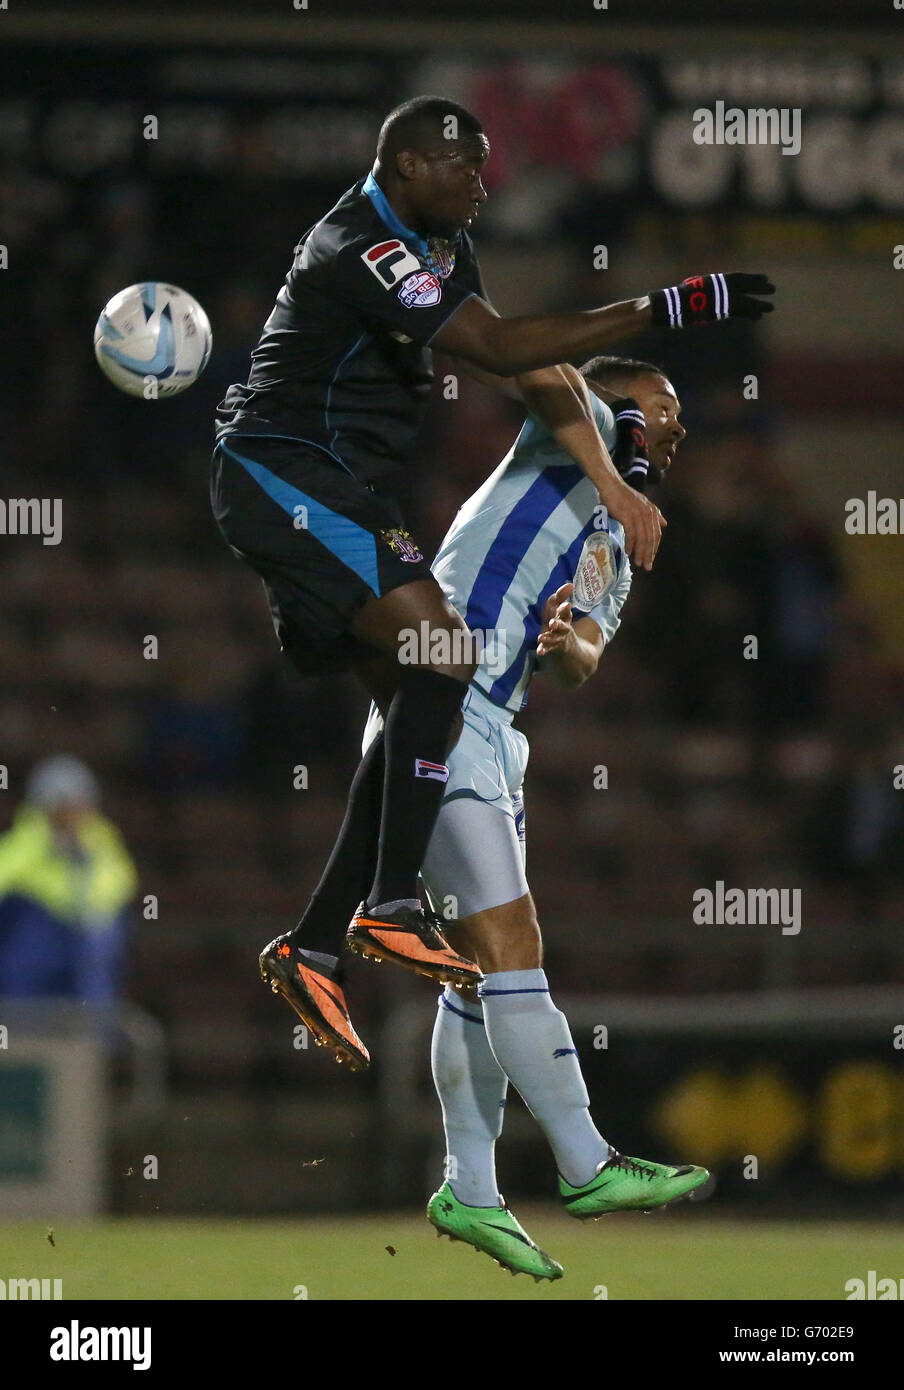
x=532 y=1043
x=471 y=1090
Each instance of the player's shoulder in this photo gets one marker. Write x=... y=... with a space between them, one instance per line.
x=348 y=229
x=602 y=412
x=535 y=440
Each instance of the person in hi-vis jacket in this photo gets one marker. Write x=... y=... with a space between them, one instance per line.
x=66 y=883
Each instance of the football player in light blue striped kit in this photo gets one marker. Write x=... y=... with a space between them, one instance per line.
x=535 y=566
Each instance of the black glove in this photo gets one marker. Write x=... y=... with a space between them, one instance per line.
x=705 y=298
x=630 y=452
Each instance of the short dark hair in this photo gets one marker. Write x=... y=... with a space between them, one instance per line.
x=607 y=370
x=420 y=124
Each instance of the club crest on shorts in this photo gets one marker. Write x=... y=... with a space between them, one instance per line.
x=596 y=571
x=420 y=291
x=401 y=544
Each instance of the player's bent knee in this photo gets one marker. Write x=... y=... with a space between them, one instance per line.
x=524 y=954
x=449 y=649
x=506 y=937
x=463 y=674
x=440 y=639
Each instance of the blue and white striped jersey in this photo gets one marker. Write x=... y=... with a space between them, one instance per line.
x=535 y=524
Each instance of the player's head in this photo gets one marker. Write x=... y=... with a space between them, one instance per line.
x=65 y=789
x=648 y=384
x=430 y=154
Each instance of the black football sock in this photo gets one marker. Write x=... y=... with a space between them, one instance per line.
x=418 y=725
x=352 y=863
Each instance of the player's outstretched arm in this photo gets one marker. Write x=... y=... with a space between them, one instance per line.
x=510 y=346
x=558 y=398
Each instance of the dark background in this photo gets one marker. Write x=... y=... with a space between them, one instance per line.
x=774 y=772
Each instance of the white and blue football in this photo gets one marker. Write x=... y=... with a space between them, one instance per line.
x=152 y=340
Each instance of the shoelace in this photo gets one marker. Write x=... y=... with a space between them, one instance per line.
x=434 y=929
x=426 y=926
x=630 y=1165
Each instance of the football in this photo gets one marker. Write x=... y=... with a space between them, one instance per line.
x=152 y=340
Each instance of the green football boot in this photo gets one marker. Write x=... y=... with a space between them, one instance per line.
x=630 y=1184
x=493 y=1230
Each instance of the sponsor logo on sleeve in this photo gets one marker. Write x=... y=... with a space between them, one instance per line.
x=390 y=261
x=596 y=571
x=420 y=291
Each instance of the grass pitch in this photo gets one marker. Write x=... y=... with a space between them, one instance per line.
x=674 y=1255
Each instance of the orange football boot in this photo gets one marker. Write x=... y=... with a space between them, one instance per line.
x=316 y=997
x=412 y=938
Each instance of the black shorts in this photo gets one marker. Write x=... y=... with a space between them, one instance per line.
x=322 y=541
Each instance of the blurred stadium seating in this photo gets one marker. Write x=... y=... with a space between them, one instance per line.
x=768 y=772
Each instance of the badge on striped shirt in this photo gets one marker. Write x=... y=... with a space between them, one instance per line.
x=596 y=571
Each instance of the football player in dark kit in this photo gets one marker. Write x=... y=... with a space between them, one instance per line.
x=302 y=489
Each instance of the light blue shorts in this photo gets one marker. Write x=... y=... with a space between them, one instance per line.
x=476 y=856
